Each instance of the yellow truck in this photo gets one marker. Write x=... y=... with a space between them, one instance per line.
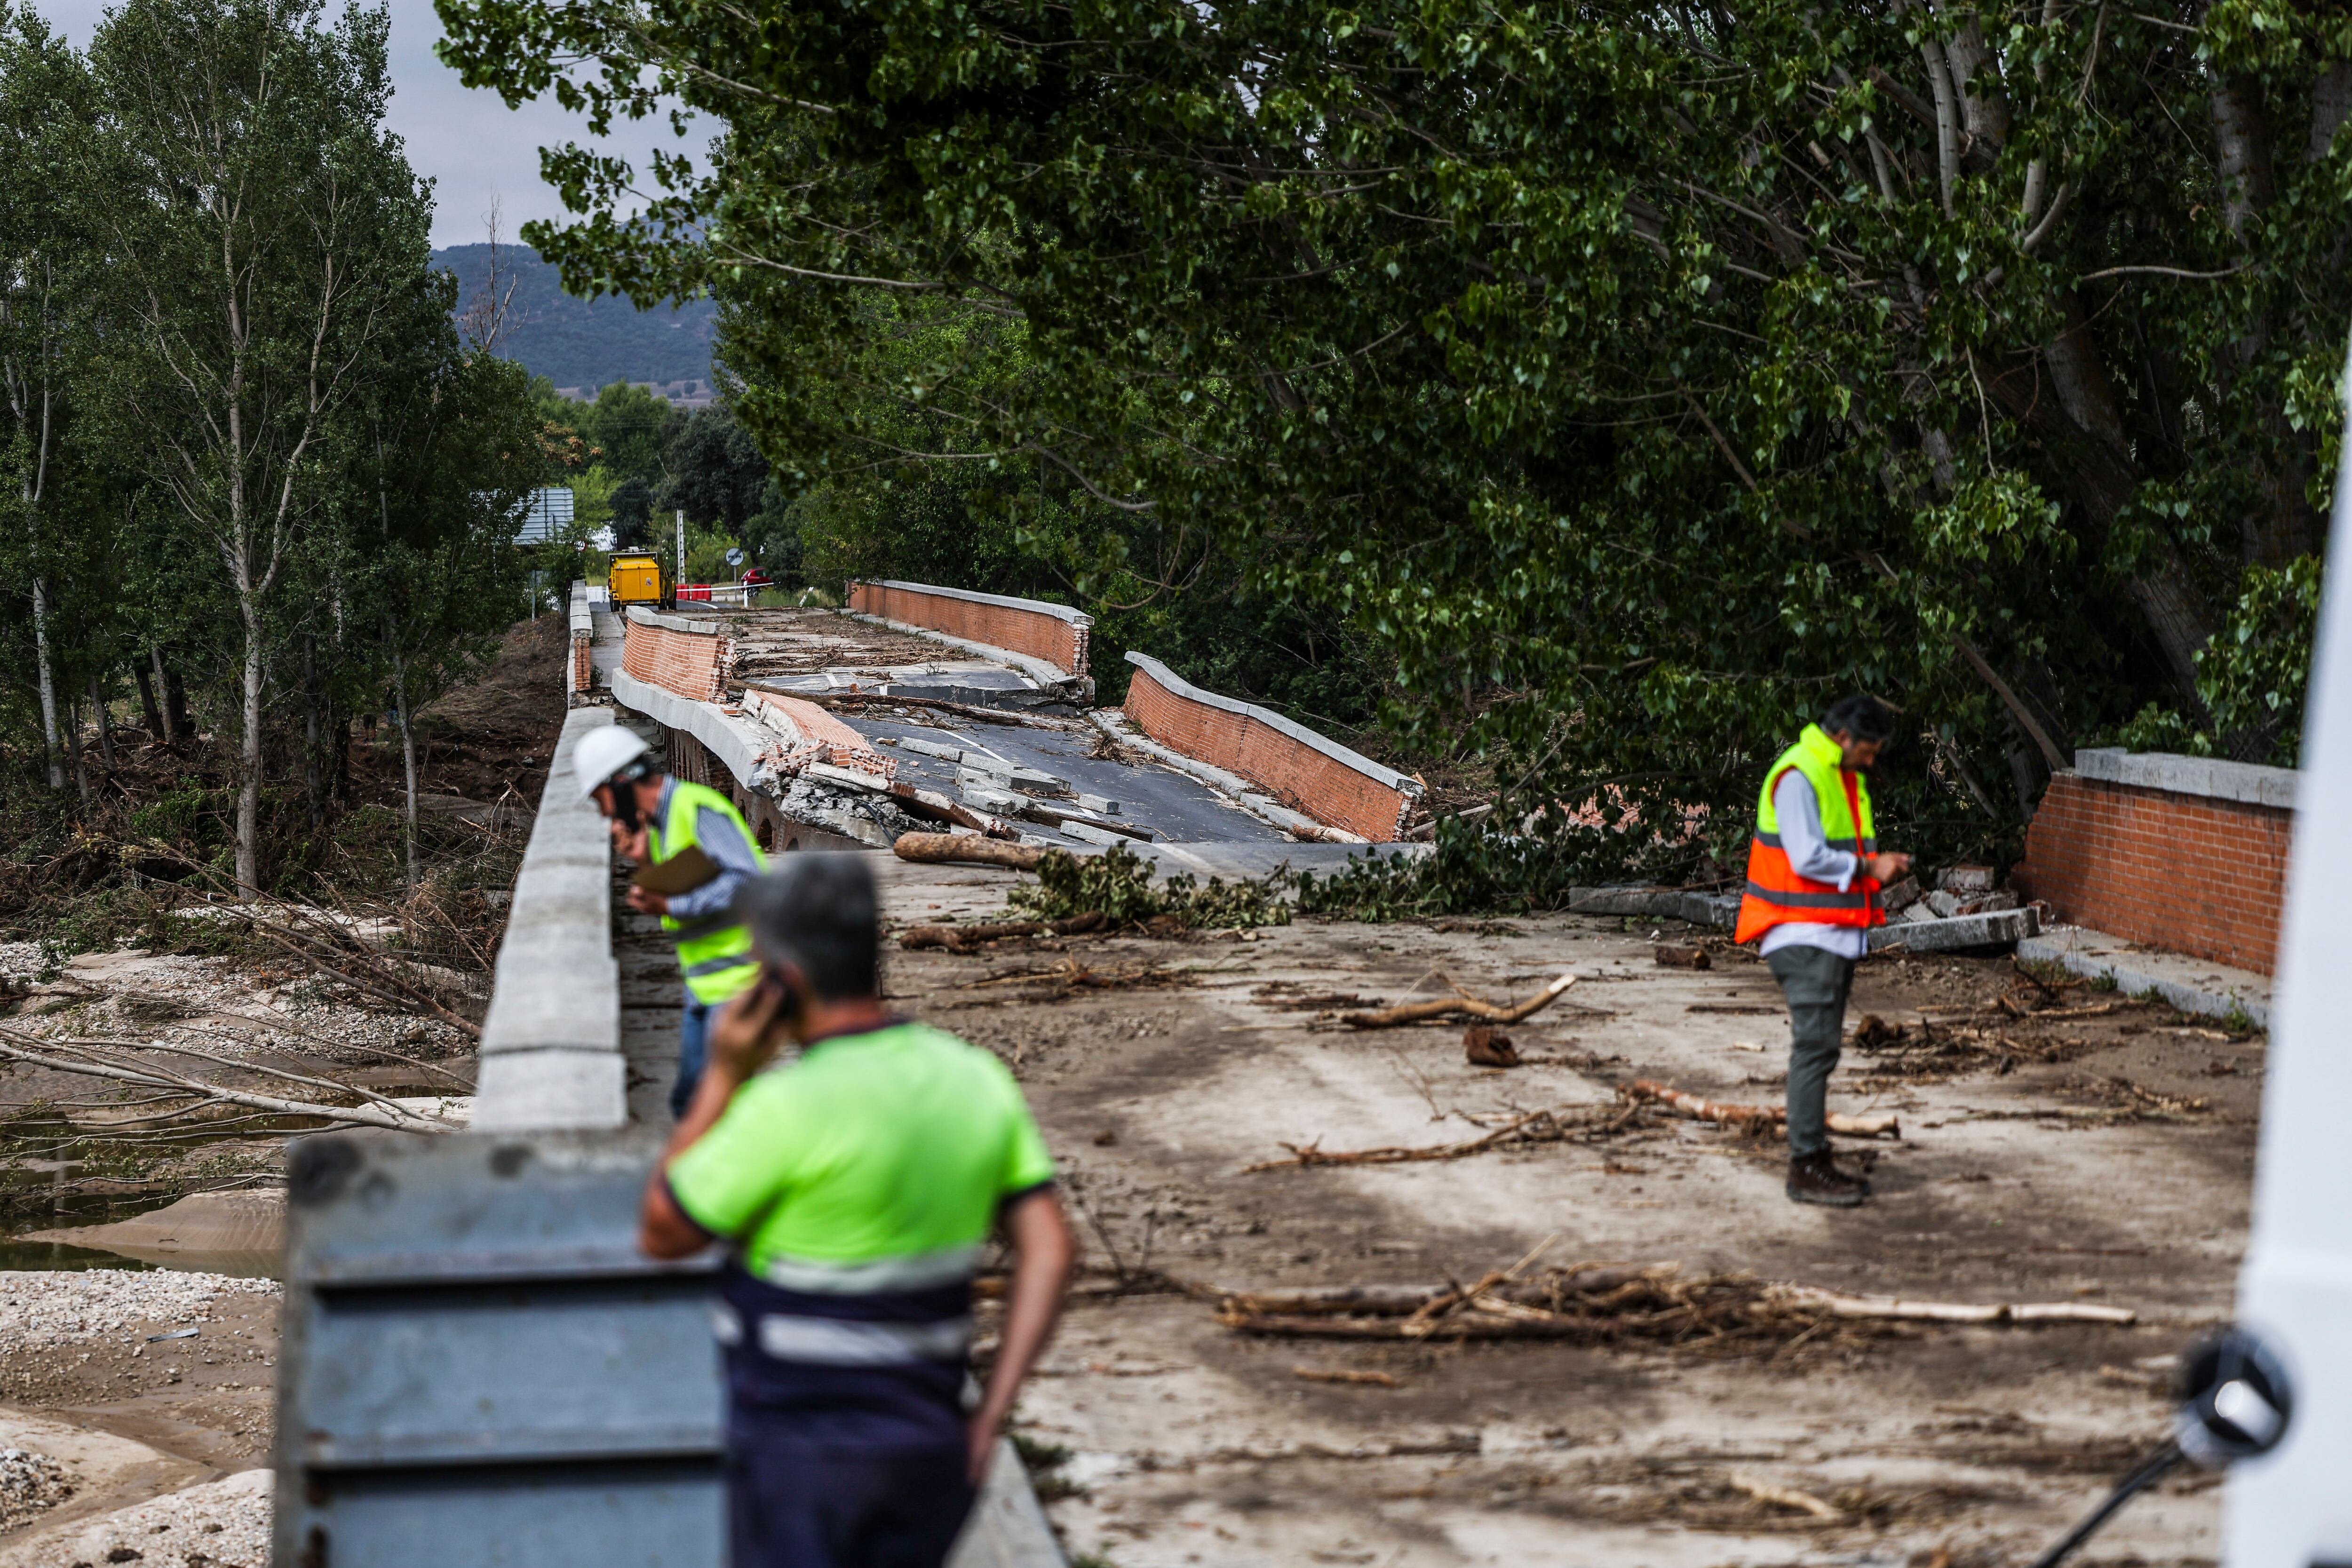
x=636 y=577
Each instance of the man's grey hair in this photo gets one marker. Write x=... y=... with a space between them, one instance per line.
x=820 y=914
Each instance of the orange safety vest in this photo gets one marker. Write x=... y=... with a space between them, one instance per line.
x=1776 y=895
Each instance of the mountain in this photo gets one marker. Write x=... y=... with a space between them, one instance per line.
x=586 y=343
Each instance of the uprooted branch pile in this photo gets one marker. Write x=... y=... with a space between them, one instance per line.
x=1728 y=1314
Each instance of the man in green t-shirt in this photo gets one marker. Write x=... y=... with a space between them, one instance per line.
x=856 y=1187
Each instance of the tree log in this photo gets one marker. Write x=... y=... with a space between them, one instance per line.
x=1422 y=1012
x=1684 y=1103
x=959 y=939
x=946 y=849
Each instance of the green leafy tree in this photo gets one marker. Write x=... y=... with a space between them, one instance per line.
x=715 y=474
x=263 y=233
x=630 y=425
x=1637 y=378
x=45 y=115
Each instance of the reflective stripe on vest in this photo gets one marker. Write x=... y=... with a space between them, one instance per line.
x=1776 y=894
x=714 y=951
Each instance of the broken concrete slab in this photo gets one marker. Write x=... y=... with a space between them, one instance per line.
x=1087 y=834
x=1696 y=906
x=848 y=778
x=934 y=749
x=1101 y=805
x=2195 y=986
x=1998 y=927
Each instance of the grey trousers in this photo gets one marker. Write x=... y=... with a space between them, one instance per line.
x=1816 y=982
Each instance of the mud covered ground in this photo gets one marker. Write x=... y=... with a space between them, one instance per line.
x=2097 y=1150
x=2058 y=1144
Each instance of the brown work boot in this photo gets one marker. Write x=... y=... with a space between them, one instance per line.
x=1815 y=1179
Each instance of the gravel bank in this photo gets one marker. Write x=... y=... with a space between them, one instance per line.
x=43 y=1310
x=221 y=1524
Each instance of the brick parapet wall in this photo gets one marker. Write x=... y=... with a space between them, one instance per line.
x=2189 y=873
x=1048 y=632
x=690 y=664
x=1360 y=797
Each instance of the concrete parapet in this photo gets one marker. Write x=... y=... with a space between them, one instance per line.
x=990 y=623
x=1305 y=772
x=2247 y=782
x=551 y=1042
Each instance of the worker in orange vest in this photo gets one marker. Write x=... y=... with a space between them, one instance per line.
x=1814 y=871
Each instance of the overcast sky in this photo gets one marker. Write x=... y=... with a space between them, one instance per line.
x=468 y=143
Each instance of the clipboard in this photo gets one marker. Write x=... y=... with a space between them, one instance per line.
x=682 y=873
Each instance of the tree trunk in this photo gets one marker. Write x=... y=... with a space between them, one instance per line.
x=407 y=746
x=248 y=786
x=105 y=722
x=48 y=684
x=2093 y=465
x=73 y=749
x=176 y=720
x=2331 y=99
x=310 y=726
x=147 y=699
x=2242 y=139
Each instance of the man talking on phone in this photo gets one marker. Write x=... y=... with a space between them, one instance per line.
x=856 y=1187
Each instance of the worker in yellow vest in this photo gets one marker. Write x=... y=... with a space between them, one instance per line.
x=1814 y=869
x=656 y=818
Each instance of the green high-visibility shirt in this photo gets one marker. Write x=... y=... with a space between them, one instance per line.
x=875 y=1161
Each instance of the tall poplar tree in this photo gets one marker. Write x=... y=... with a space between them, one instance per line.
x=262 y=230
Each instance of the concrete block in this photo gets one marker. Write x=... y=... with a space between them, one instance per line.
x=1965 y=879
x=846 y=778
x=932 y=748
x=1101 y=805
x=1085 y=834
x=982 y=797
x=550 y=1090
x=2003 y=928
x=1941 y=903
x=1901 y=896
x=2192 y=984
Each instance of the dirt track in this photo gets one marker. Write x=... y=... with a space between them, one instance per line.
x=2118 y=1174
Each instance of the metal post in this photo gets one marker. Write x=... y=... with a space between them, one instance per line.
x=681 y=544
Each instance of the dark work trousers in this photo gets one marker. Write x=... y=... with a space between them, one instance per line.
x=1816 y=982
x=693 y=1051
x=796 y=1505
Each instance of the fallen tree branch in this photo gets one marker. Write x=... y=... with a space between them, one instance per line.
x=1536 y=1127
x=963 y=939
x=950 y=848
x=1462 y=1004
x=1783 y=1497
x=1840 y=1305
x=1684 y=1103
x=1604 y=1303
x=393 y=1118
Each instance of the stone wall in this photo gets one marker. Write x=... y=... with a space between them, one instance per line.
x=2182 y=853
x=1054 y=634
x=1308 y=772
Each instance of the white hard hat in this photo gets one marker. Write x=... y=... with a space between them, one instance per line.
x=601 y=753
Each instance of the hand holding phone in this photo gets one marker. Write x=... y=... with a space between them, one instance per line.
x=748 y=1030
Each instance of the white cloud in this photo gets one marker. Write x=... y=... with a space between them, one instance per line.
x=468 y=143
